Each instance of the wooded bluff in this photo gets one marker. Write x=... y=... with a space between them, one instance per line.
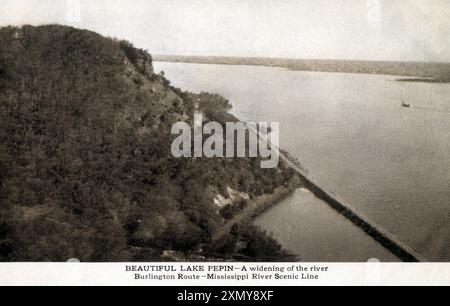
x=86 y=169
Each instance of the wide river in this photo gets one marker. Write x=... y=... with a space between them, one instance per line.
x=353 y=136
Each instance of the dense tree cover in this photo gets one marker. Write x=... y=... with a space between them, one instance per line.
x=85 y=164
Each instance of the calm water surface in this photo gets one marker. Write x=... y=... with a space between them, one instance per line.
x=354 y=138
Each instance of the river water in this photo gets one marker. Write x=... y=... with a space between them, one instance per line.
x=354 y=138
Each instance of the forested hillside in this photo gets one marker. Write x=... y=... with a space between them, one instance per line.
x=86 y=169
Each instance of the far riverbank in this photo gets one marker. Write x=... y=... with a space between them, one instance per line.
x=412 y=71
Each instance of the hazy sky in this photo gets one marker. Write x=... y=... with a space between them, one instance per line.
x=345 y=29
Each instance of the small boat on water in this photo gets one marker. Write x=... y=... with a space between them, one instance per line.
x=405 y=104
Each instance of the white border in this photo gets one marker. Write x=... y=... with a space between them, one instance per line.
x=337 y=274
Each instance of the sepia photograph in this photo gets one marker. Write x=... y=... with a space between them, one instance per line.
x=213 y=131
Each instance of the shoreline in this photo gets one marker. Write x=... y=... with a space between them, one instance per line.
x=258 y=206
x=425 y=80
x=386 y=239
x=301 y=178
x=302 y=65
x=371 y=228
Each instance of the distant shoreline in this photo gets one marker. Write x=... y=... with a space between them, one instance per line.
x=424 y=80
x=415 y=71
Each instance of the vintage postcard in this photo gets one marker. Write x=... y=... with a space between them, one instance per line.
x=213 y=142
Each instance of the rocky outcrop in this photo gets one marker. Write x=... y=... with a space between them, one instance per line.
x=141 y=59
x=232 y=197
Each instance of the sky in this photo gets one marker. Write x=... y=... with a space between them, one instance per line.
x=397 y=30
